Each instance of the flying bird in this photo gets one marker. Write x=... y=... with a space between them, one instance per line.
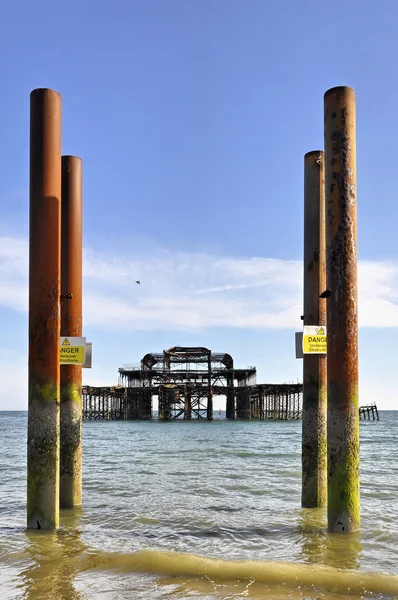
x=139 y=282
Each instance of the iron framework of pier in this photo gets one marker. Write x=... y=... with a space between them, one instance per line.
x=185 y=380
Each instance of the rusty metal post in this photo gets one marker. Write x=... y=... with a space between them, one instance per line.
x=314 y=443
x=44 y=309
x=71 y=325
x=210 y=406
x=187 y=402
x=342 y=310
x=210 y=392
x=230 y=407
x=243 y=411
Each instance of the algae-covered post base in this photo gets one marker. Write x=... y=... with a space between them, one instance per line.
x=342 y=310
x=314 y=438
x=71 y=325
x=314 y=443
x=44 y=310
x=71 y=441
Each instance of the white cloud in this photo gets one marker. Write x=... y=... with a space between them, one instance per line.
x=14 y=381
x=13 y=272
x=192 y=292
x=183 y=291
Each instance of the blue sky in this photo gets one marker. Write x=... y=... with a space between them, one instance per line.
x=192 y=118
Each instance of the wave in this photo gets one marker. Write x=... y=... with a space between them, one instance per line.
x=291 y=575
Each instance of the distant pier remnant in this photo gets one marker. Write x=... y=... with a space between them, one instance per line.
x=71 y=325
x=183 y=380
x=44 y=309
x=314 y=443
x=369 y=412
x=342 y=310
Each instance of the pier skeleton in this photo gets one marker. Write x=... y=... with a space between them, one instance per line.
x=185 y=381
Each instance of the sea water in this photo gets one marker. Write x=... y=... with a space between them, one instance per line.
x=198 y=510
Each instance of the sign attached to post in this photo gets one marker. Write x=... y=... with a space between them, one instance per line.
x=314 y=339
x=299 y=344
x=73 y=350
x=89 y=356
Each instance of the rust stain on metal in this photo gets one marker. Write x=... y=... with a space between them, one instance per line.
x=44 y=245
x=71 y=253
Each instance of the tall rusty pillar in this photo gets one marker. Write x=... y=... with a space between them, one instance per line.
x=342 y=310
x=71 y=325
x=314 y=432
x=44 y=309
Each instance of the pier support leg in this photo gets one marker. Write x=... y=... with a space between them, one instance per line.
x=166 y=399
x=314 y=443
x=342 y=309
x=209 y=414
x=71 y=325
x=187 y=404
x=230 y=408
x=44 y=309
x=243 y=405
x=148 y=404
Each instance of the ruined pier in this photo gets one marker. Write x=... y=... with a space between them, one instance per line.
x=183 y=382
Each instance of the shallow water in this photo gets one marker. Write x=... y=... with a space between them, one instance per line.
x=198 y=510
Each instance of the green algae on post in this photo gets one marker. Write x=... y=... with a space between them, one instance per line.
x=342 y=310
x=43 y=460
x=71 y=443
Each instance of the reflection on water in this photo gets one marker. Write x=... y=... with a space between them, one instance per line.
x=321 y=547
x=55 y=560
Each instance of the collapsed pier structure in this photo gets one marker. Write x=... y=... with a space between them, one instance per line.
x=184 y=381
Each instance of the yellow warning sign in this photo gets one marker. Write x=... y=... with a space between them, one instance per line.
x=73 y=350
x=314 y=339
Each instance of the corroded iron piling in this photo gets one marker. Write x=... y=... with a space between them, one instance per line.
x=44 y=309
x=187 y=403
x=230 y=407
x=342 y=310
x=71 y=325
x=314 y=444
x=243 y=404
x=209 y=413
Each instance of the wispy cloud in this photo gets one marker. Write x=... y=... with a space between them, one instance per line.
x=184 y=291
